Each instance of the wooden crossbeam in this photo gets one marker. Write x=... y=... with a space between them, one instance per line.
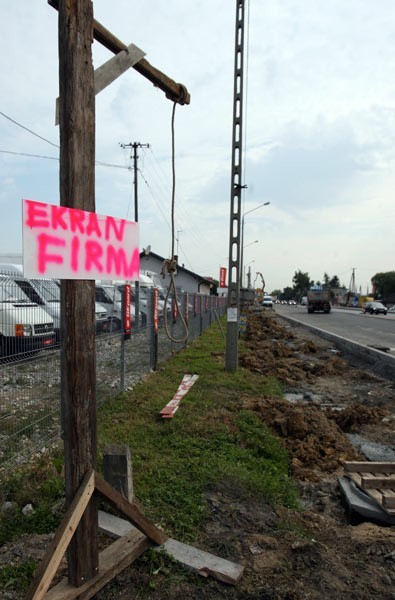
x=174 y=91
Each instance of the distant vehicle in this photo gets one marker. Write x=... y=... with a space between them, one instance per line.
x=374 y=308
x=392 y=309
x=318 y=300
x=267 y=301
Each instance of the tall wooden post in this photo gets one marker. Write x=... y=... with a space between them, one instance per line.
x=77 y=185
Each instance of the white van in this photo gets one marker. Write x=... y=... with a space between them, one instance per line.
x=46 y=293
x=24 y=326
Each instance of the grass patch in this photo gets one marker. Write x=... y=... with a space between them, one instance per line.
x=210 y=438
x=17 y=578
x=42 y=487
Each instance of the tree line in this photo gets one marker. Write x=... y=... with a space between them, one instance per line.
x=383 y=285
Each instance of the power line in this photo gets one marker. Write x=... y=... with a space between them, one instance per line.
x=29 y=155
x=97 y=162
x=29 y=130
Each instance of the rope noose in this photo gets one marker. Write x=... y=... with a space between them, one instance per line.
x=170 y=265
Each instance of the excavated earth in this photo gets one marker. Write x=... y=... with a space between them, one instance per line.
x=314 y=552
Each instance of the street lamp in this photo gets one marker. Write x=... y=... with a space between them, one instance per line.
x=242 y=238
x=250 y=244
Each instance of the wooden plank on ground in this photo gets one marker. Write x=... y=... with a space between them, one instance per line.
x=190 y=557
x=61 y=540
x=389 y=498
x=372 y=467
x=114 y=559
x=172 y=406
x=378 y=482
x=203 y=562
x=131 y=511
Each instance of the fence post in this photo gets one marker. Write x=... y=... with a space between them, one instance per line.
x=153 y=326
x=117 y=469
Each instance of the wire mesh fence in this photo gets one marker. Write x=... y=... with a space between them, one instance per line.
x=30 y=374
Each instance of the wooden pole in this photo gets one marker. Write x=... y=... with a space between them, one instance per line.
x=77 y=185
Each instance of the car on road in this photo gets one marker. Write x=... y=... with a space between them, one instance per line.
x=374 y=308
x=267 y=301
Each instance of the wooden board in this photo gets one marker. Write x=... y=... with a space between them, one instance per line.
x=377 y=479
x=197 y=560
x=371 y=467
x=172 y=406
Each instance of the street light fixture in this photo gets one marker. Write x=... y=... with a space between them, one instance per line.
x=250 y=244
x=242 y=238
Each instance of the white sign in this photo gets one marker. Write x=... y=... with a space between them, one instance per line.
x=68 y=243
x=232 y=315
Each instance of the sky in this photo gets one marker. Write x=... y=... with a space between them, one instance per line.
x=318 y=131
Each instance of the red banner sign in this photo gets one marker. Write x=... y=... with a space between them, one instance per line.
x=222 y=277
x=126 y=317
x=156 y=318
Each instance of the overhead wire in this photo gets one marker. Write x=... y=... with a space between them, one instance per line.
x=97 y=162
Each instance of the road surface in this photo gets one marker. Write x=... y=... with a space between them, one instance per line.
x=369 y=330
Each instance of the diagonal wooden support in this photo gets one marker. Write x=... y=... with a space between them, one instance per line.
x=65 y=532
x=174 y=91
x=131 y=511
x=111 y=562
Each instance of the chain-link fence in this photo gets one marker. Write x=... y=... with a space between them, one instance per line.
x=30 y=375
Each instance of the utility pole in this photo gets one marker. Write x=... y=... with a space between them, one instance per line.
x=235 y=198
x=136 y=145
x=78 y=356
x=76 y=30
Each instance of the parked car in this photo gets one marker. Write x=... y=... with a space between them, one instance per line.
x=374 y=308
x=392 y=309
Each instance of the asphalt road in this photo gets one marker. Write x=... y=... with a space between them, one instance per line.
x=369 y=330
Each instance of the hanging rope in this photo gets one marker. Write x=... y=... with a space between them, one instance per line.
x=170 y=266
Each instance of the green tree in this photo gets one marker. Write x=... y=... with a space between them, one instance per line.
x=326 y=281
x=384 y=284
x=334 y=282
x=301 y=283
x=288 y=294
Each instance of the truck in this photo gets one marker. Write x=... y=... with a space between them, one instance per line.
x=318 y=300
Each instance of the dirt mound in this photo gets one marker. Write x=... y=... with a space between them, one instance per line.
x=315 y=442
x=274 y=350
